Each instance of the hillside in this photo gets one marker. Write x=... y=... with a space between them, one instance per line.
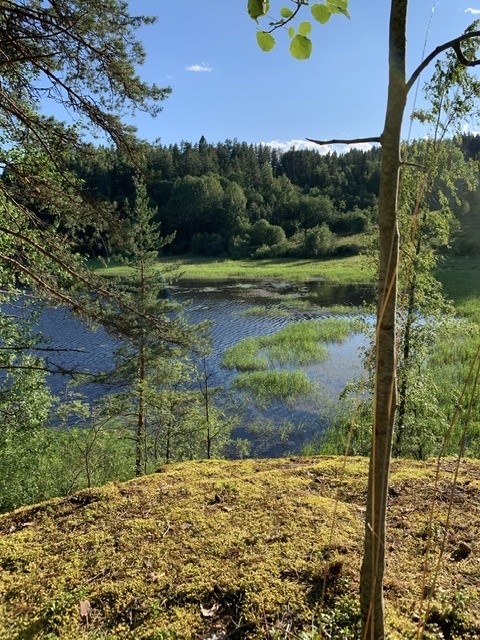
x=239 y=550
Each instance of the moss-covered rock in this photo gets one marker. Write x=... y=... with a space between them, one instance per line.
x=250 y=549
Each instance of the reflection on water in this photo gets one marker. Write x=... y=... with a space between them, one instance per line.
x=225 y=304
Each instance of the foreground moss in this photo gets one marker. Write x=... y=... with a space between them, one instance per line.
x=244 y=549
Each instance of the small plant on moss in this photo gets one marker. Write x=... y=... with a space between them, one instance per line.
x=166 y=635
x=450 y=616
x=225 y=488
x=340 y=622
x=60 y=608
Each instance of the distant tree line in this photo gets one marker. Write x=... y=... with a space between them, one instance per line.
x=249 y=200
x=245 y=200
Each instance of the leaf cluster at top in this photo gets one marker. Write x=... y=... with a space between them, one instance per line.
x=300 y=44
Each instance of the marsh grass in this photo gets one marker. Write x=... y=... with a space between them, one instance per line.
x=289 y=305
x=245 y=356
x=270 y=386
x=460 y=277
x=352 y=269
x=299 y=343
x=275 y=311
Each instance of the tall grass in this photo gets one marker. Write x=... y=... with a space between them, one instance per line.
x=270 y=386
x=460 y=277
x=299 y=343
x=245 y=356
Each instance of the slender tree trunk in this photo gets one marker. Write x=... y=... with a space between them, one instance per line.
x=140 y=439
x=140 y=453
x=167 y=445
x=403 y=388
x=207 y=407
x=373 y=566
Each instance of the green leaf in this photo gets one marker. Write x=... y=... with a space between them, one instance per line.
x=285 y=12
x=265 y=40
x=321 y=13
x=304 y=28
x=257 y=8
x=291 y=32
x=301 y=47
x=339 y=6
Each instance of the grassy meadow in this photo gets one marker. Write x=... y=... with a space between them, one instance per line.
x=352 y=269
x=459 y=275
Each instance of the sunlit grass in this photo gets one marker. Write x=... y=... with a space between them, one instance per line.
x=352 y=269
x=276 y=311
x=244 y=356
x=299 y=343
x=460 y=277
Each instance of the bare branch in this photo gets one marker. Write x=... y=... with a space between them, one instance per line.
x=451 y=44
x=352 y=141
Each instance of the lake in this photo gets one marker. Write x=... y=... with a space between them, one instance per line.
x=228 y=305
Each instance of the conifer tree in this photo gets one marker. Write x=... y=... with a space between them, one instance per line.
x=144 y=360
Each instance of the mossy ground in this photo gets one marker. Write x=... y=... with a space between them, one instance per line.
x=243 y=549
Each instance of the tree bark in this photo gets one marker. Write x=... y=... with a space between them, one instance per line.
x=373 y=566
x=140 y=453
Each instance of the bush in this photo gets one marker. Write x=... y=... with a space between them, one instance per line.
x=264 y=233
x=319 y=241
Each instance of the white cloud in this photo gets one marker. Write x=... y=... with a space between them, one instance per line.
x=321 y=149
x=199 y=68
x=467 y=129
x=474 y=11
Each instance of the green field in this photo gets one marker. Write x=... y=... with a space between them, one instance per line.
x=352 y=269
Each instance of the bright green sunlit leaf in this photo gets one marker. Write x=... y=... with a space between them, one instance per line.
x=321 y=13
x=291 y=32
x=301 y=47
x=265 y=40
x=285 y=12
x=339 y=6
x=304 y=28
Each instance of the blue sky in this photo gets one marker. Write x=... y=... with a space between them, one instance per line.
x=224 y=86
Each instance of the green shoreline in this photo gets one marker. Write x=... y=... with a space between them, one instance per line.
x=351 y=270
x=459 y=275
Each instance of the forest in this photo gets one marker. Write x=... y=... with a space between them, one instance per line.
x=245 y=200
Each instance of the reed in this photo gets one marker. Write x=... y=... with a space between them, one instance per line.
x=244 y=356
x=299 y=343
x=269 y=386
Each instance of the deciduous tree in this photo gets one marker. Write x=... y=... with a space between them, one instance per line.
x=385 y=393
